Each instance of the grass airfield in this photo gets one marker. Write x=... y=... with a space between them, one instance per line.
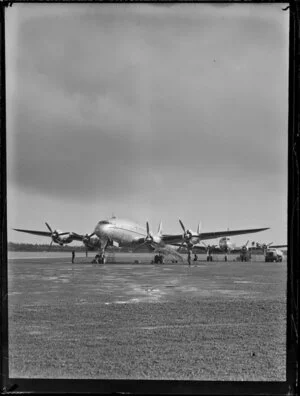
x=211 y=321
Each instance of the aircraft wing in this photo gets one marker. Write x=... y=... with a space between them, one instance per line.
x=40 y=233
x=219 y=234
x=74 y=235
x=77 y=237
x=174 y=239
x=278 y=246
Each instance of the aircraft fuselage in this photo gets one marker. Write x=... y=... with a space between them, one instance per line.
x=120 y=230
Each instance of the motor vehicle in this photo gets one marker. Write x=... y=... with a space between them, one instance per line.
x=273 y=255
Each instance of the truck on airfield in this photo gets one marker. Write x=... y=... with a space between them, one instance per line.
x=273 y=254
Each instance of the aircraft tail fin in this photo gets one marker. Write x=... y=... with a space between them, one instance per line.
x=199 y=228
x=159 y=231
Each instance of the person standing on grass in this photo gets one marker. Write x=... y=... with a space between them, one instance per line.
x=73 y=256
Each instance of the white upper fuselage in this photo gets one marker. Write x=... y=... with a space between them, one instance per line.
x=122 y=231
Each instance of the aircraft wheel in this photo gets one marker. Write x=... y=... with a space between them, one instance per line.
x=102 y=260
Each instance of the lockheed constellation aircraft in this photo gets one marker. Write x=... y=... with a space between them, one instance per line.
x=227 y=246
x=120 y=232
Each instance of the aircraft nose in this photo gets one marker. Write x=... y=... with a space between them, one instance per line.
x=100 y=228
x=97 y=230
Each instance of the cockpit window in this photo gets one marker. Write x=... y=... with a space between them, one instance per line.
x=103 y=222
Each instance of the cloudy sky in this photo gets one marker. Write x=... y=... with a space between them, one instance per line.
x=148 y=112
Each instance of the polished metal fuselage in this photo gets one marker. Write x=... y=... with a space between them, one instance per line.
x=122 y=231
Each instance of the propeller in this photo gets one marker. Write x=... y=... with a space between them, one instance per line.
x=86 y=240
x=245 y=247
x=263 y=245
x=150 y=239
x=188 y=235
x=55 y=236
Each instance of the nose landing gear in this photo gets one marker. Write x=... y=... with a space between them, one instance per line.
x=99 y=259
x=158 y=259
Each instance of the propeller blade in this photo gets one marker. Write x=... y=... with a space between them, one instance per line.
x=49 y=228
x=148 y=229
x=86 y=238
x=50 y=246
x=182 y=226
x=63 y=233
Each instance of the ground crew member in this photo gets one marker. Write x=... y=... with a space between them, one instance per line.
x=189 y=257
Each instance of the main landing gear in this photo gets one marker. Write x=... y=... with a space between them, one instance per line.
x=99 y=259
x=158 y=259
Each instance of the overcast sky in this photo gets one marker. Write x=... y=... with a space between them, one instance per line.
x=148 y=112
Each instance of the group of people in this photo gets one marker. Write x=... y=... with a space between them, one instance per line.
x=97 y=258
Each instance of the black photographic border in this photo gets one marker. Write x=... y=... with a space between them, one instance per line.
x=107 y=386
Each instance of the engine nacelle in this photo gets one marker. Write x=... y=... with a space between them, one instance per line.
x=91 y=243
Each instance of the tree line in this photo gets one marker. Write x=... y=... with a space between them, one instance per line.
x=30 y=247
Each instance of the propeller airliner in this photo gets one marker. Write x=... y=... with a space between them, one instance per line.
x=121 y=232
x=226 y=245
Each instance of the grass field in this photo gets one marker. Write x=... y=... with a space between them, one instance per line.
x=212 y=321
